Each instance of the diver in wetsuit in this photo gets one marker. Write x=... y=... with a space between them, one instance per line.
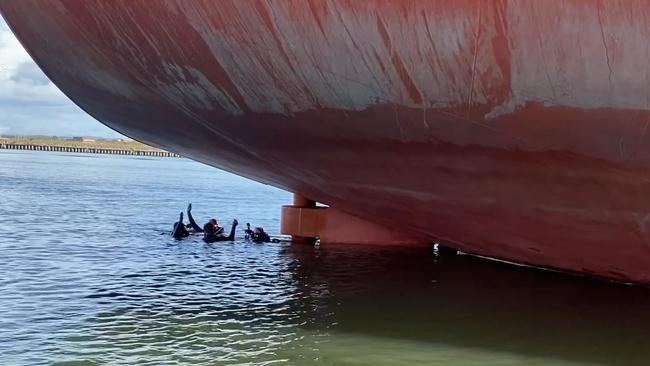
x=258 y=235
x=180 y=231
x=214 y=233
x=193 y=226
x=213 y=227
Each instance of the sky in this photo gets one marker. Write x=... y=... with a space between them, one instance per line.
x=30 y=104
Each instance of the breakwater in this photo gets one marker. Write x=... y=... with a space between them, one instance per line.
x=87 y=150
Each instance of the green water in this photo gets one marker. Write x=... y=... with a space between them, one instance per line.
x=89 y=277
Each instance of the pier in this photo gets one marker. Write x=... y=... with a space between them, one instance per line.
x=131 y=148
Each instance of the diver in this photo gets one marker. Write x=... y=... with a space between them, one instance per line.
x=212 y=226
x=180 y=231
x=212 y=232
x=194 y=227
x=258 y=235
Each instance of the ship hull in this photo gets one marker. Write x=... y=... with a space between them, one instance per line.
x=510 y=129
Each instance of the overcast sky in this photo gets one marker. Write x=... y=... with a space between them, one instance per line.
x=30 y=104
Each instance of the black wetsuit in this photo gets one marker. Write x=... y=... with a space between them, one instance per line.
x=210 y=228
x=261 y=237
x=192 y=224
x=179 y=230
x=211 y=235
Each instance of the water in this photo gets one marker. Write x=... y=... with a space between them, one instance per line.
x=88 y=279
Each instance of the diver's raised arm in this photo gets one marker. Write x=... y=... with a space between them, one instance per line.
x=193 y=224
x=179 y=229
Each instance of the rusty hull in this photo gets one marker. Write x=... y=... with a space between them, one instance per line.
x=511 y=129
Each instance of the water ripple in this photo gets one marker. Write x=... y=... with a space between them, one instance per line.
x=88 y=279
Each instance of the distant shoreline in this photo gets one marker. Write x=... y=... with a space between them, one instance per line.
x=83 y=145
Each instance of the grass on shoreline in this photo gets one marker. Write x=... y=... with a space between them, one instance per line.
x=62 y=142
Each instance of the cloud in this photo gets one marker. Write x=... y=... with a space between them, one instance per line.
x=29 y=73
x=31 y=104
x=20 y=78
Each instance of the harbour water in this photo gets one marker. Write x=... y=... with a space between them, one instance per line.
x=89 y=277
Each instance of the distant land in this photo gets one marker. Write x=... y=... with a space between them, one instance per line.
x=81 y=144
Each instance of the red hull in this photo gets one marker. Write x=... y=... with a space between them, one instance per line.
x=512 y=129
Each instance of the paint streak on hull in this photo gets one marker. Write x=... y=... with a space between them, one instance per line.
x=513 y=129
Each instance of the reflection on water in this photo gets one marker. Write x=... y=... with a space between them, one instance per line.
x=131 y=296
x=395 y=306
